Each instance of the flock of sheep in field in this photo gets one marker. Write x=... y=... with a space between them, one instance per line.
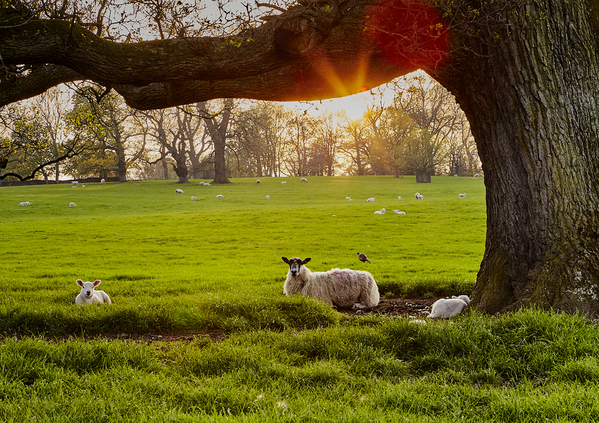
x=342 y=288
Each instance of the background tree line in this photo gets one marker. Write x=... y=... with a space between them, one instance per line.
x=93 y=133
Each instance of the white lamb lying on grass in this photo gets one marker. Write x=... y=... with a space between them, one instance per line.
x=344 y=288
x=90 y=296
x=449 y=307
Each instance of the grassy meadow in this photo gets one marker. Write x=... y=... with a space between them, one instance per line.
x=173 y=265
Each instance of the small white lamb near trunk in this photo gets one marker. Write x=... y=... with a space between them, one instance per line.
x=449 y=307
x=344 y=288
x=89 y=295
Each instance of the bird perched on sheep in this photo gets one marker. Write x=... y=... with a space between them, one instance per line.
x=89 y=295
x=449 y=307
x=344 y=288
x=362 y=257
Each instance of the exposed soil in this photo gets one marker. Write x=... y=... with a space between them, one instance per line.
x=399 y=307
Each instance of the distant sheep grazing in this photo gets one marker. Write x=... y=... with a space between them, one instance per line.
x=370 y=200
x=102 y=181
x=220 y=196
x=72 y=205
x=24 y=203
x=193 y=198
x=419 y=196
x=303 y=180
x=179 y=191
x=462 y=195
x=89 y=295
x=258 y=181
x=344 y=288
x=449 y=307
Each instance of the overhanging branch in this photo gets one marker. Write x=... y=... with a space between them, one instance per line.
x=313 y=50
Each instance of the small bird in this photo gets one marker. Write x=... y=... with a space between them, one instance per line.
x=363 y=257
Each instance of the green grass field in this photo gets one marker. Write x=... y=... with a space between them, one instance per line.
x=170 y=263
x=175 y=265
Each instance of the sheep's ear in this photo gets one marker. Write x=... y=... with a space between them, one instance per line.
x=306 y=260
x=285 y=259
x=96 y=283
x=79 y=282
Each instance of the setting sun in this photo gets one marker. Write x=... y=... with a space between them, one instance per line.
x=354 y=106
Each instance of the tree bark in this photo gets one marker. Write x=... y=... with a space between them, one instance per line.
x=528 y=84
x=218 y=133
x=305 y=50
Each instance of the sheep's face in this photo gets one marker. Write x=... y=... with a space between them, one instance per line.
x=295 y=264
x=87 y=288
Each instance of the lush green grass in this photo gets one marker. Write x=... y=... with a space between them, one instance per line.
x=527 y=367
x=172 y=264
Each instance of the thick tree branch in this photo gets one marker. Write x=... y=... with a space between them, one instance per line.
x=311 y=51
x=40 y=79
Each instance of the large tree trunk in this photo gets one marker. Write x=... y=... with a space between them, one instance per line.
x=218 y=133
x=122 y=165
x=531 y=96
x=220 y=163
x=180 y=167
